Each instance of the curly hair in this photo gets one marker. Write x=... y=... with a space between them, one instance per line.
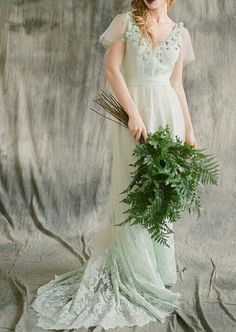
x=141 y=15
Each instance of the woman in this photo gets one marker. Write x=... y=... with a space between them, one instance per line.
x=127 y=278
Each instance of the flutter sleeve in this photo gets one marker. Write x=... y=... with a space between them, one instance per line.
x=188 y=52
x=115 y=31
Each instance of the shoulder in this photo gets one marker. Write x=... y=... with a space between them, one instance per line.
x=184 y=31
x=124 y=15
x=184 y=28
x=186 y=36
x=121 y=19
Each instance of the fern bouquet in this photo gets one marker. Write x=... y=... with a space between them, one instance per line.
x=165 y=177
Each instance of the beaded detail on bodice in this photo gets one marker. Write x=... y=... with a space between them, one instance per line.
x=146 y=58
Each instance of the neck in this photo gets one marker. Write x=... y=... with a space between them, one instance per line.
x=159 y=14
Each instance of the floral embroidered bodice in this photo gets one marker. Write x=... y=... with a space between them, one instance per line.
x=142 y=58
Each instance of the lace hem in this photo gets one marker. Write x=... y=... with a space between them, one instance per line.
x=99 y=293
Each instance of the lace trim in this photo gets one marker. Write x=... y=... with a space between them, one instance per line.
x=99 y=294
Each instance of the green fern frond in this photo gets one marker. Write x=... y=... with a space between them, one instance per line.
x=165 y=176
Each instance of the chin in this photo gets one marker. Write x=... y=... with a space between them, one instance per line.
x=152 y=4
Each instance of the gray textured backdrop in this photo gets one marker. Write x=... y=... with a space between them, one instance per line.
x=55 y=155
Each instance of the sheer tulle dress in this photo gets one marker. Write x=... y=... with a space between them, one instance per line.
x=124 y=282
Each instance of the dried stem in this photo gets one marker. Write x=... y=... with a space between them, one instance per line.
x=111 y=105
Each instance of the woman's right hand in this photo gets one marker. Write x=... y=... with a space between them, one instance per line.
x=136 y=127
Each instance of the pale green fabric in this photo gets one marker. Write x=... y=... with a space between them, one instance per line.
x=124 y=282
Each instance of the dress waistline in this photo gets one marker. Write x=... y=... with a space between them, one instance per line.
x=146 y=80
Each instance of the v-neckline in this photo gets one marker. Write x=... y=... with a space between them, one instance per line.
x=160 y=41
x=163 y=40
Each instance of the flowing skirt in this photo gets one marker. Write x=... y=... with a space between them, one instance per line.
x=124 y=281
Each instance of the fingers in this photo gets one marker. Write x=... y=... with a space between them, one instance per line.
x=144 y=133
x=137 y=129
x=194 y=145
x=138 y=134
x=132 y=132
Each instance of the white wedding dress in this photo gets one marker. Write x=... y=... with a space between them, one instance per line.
x=124 y=283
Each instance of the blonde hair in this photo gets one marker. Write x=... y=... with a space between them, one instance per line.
x=141 y=15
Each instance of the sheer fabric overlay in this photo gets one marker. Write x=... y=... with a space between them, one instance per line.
x=118 y=30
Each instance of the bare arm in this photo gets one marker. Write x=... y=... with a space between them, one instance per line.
x=177 y=84
x=118 y=85
x=115 y=78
